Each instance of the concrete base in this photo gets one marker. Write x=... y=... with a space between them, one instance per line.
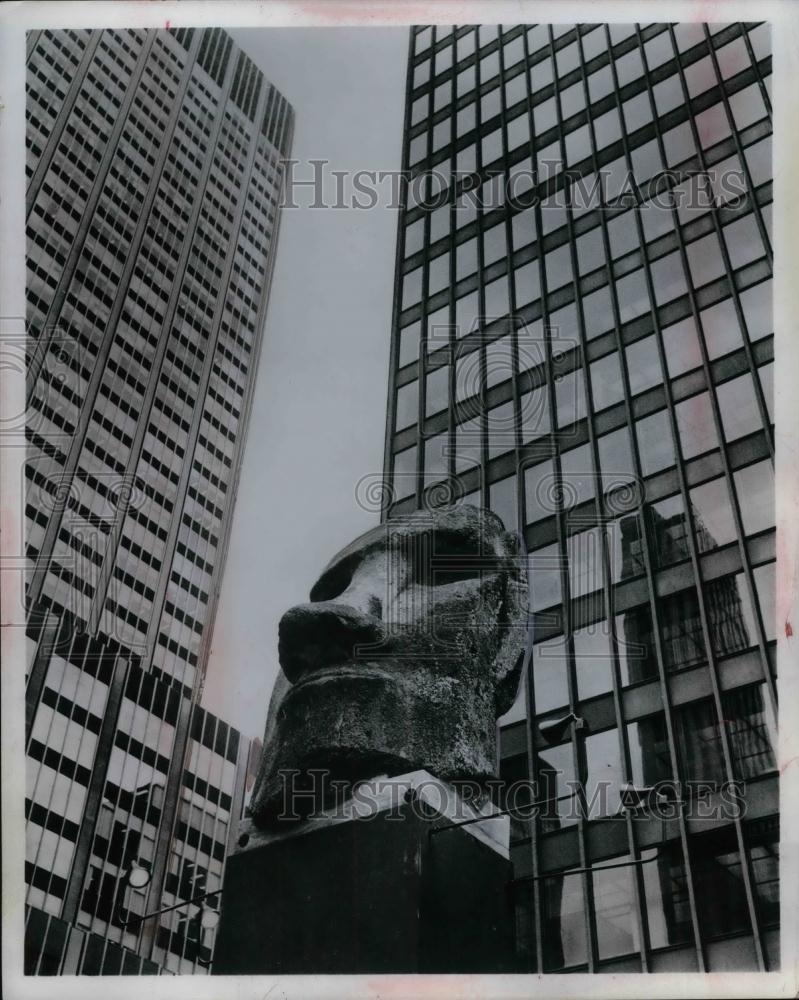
x=350 y=894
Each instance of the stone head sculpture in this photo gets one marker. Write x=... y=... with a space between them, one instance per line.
x=409 y=650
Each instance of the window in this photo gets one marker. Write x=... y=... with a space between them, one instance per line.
x=743 y=240
x=633 y=295
x=407 y=405
x=721 y=330
x=623 y=234
x=503 y=502
x=729 y=613
x=765 y=586
x=603 y=773
x=550 y=673
x=577 y=475
x=636 y=646
x=681 y=347
x=719 y=888
x=437 y=391
x=584 y=550
x=754 y=486
x=625 y=544
x=740 y=414
x=558 y=267
x=593 y=660
x=757 y=307
x=569 y=398
x=752 y=730
x=501 y=429
x=681 y=630
x=669 y=528
x=535 y=419
x=614 y=907
x=590 y=251
x=695 y=425
x=668 y=911
x=649 y=751
x=713 y=519
x=435 y=458
x=615 y=459
x=544 y=567
x=598 y=312
x=405 y=472
x=655 y=444
x=643 y=365
x=563 y=921
x=528 y=287
x=705 y=260
x=606 y=382
x=539 y=484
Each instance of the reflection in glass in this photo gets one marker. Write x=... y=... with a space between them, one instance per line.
x=681 y=630
x=719 y=888
x=625 y=548
x=584 y=551
x=636 y=646
x=649 y=751
x=699 y=742
x=614 y=907
x=668 y=910
x=563 y=922
x=729 y=613
x=752 y=730
x=713 y=520
x=669 y=529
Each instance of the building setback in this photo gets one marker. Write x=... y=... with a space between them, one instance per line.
x=154 y=169
x=582 y=341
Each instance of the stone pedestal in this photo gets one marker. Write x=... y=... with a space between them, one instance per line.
x=372 y=894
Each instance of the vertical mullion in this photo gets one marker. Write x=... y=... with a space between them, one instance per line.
x=421 y=436
x=530 y=720
x=691 y=539
x=513 y=325
x=578 y=746
x=722 y=85
x=756 y=68
x=711 y=388
x=389 y=455
x=643 y=526
x=599 y=487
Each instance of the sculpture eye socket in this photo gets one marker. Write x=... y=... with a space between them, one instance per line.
x=333 y=583
x=447 y=557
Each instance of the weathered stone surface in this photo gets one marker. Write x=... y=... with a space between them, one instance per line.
x=409 y=650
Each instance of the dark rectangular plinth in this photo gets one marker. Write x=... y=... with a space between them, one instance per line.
x=367 y=896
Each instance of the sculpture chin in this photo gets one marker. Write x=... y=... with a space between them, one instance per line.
x=348 y=725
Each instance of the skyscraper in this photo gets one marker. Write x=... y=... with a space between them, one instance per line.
x=582 y=341
x=154 y=169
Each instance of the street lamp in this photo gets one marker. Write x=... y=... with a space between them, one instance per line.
x=137 y=876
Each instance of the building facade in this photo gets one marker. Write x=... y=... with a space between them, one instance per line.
x=154 y=170
x=582 y=341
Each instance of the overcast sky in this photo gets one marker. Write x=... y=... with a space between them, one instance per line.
x=318 y=415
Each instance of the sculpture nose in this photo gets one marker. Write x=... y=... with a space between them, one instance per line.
x=311 y=636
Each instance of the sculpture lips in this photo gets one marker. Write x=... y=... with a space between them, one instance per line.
x=312 y=636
